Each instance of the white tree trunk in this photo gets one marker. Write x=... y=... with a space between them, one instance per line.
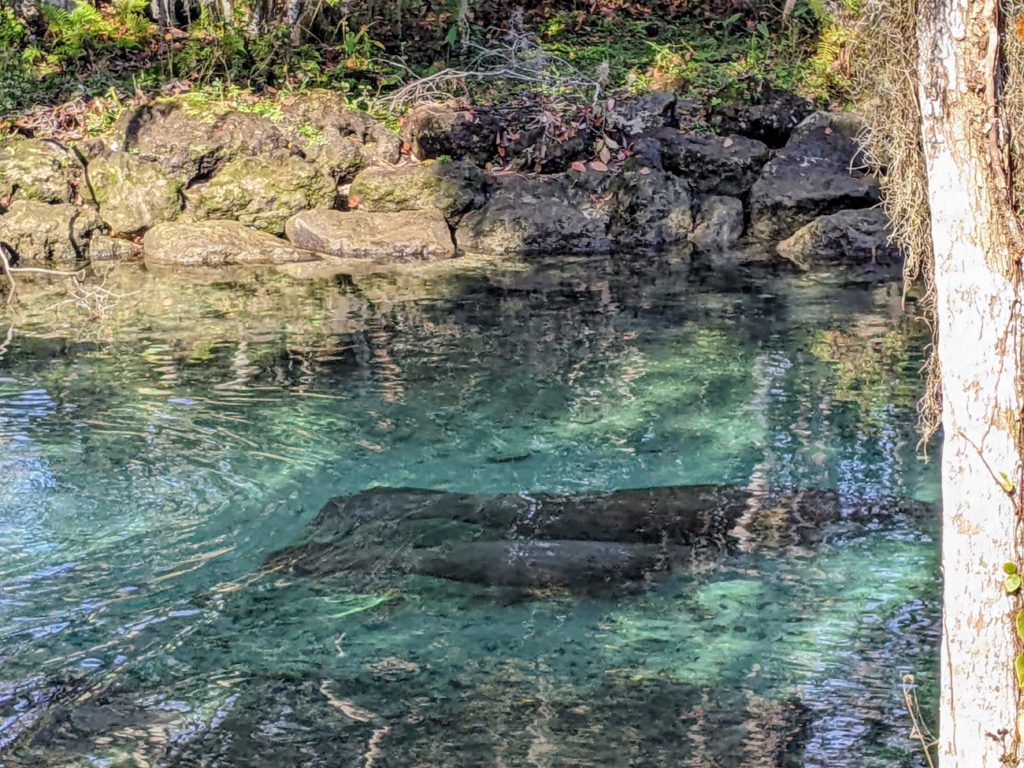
x=978 y=311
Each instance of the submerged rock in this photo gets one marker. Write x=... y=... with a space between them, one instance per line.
x=858 y=238
x=35 y=169
x=408 y=236
x=106 y=248
x=450 y=189
x=262 y=192
x=572 y=541
x=44 y=232
x=536 y=214
x=216 y=244
x=132 y=194
x=812 y=176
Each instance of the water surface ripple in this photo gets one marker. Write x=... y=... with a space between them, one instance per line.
x=153 y=459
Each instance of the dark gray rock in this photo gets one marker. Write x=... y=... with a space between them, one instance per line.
x=814 y=175
x=404 y=236
x=771 y=118
x=719 y=224
x=858 y=238
x=536 y=215
x=650 y=209
x=440 y=130
x=636 y=115
x=716 y=165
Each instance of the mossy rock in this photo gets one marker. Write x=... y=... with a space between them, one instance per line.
x=47 y=232
x=33 y=169
x=396 y=237
x=338 y=140
x=449 y=188
x=132 y=194
x=189 y=147
x=262 y=192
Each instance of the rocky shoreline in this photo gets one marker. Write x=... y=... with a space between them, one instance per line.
x=315 y=181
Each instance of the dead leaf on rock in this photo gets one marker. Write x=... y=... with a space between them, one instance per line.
x=728 y=142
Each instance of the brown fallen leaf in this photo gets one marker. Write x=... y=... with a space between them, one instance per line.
x=597 y=165
x=579 y=167
x=645 y=171
x=728 y=142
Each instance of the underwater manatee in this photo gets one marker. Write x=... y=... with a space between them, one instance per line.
x=566 y=540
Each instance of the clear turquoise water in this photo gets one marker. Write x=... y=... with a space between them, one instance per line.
x=152 y=459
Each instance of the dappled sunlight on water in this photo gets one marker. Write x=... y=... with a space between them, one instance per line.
x=153 y=459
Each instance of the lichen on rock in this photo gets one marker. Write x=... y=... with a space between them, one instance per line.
x=132 y=194
x=402 y=236
x=48 y=232
x=217 y=243
x=449 y=188
x=262 y=192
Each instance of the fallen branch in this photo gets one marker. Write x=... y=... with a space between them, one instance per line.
x=518 y=59
x=6 y=264
x=10 y=271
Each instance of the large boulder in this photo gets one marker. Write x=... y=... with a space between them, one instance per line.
x=405 y=236
x=445 y=130
x=132 y=194
x=190 y=145
x=858 y=238
x=536 y=215
x=716 y=165
x=34 y=169
x=339 y=140
x=813 y=175
x=651 y=209
x=47 y=232
x=770 y=118
x=719 y=224
x=262 y=192
x=449 y=188
x=216 y=244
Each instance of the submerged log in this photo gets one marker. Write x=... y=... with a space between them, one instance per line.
x=573 y=541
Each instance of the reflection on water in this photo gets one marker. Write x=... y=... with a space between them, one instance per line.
x=153 y=459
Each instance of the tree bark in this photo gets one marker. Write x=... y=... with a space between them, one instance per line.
x=978 y=312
